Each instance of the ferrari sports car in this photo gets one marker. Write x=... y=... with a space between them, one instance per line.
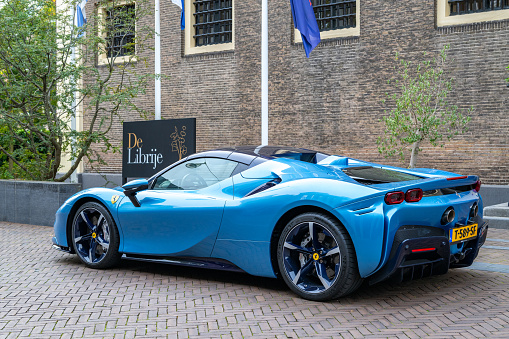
x=322 y=223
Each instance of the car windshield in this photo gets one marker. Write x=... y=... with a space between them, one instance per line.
x=195 y=174
x=374 y=175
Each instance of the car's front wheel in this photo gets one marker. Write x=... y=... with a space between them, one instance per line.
x=316 y=258
x=95 y=236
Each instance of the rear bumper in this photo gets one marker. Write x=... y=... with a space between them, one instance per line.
x=420 y=257
x=470 y=250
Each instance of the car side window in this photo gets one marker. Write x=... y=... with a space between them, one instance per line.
x=195 y=174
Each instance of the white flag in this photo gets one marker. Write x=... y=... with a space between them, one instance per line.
x=180 y=3
x=81 y=17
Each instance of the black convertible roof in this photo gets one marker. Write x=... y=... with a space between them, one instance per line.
x=253 y=155
x=269 y=152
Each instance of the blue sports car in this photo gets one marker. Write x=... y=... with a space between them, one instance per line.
x=322 y=223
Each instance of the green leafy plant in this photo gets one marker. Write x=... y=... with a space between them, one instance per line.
x=420 y=112
x=50 y=70
x=28 y=157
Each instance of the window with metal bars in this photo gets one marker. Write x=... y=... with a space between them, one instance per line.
x=120 y=29
x=213 y=22
x=335 y=14
x=458 y=7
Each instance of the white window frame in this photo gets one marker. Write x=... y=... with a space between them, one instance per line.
x=103 y=57
x=337 y=33
x=189 y=43
x=445 y=19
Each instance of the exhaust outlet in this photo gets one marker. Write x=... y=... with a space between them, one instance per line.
x=448 y=216
x=474 y=210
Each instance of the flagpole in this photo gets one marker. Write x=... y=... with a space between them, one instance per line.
x=75 y=22
x=157 y=62
x=74 y=174
x=265 y=74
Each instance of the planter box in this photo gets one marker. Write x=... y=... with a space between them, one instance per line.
x=33 y=202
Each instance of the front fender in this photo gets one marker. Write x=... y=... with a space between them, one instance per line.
x=65 y=213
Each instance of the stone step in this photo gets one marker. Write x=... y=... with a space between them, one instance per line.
x=500 y=210
x=498 y=222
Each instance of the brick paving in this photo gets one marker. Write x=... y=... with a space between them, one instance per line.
x=49 y=294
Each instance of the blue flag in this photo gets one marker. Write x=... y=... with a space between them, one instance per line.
x=80 y=17
x=180 y=3
x=305 y=21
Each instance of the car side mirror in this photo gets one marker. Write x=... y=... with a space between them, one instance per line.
x=133 y=187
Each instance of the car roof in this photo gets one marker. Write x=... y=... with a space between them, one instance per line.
x=269 y=152
x=253 y=155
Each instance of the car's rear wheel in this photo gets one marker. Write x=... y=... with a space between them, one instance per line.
x=317 y=259
x=95 y=236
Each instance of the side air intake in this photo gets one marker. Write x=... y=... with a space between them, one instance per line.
x=264 y=187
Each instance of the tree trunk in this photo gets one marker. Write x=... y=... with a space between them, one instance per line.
x=414 y=153
x=11 y=149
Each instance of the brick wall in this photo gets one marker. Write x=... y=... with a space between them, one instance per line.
x=332 y=101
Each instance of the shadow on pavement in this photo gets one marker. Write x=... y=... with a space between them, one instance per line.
x=456 y=282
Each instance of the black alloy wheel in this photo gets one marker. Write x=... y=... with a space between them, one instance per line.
x=95 y=236
x=317 y=259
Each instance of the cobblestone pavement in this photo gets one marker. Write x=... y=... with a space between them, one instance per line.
x=49 y=294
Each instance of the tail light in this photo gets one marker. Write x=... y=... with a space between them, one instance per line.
x=393 y=198
x=477 y=186
x=458 y=178
x=424 y=250
x=413 y=195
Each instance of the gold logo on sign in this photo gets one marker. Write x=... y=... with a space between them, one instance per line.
x=114 y=199
x=316 y=256
x=178 y=143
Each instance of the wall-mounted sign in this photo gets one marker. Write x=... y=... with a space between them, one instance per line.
x=150 y=146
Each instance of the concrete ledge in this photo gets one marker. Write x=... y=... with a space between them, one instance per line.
x=33 y=202
x=110 y=180
x=494 y=194
x=498 y=222
x=497 y=215
x=500 y=210
x=89 y=180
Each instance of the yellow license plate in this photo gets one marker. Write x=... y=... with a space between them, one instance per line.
x=463 y=233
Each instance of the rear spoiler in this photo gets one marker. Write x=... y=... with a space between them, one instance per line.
x=428 y=184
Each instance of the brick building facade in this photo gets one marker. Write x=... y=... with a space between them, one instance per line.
x=332 y=101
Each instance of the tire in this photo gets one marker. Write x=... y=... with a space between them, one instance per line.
x=317 y=259
x=95 y=236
